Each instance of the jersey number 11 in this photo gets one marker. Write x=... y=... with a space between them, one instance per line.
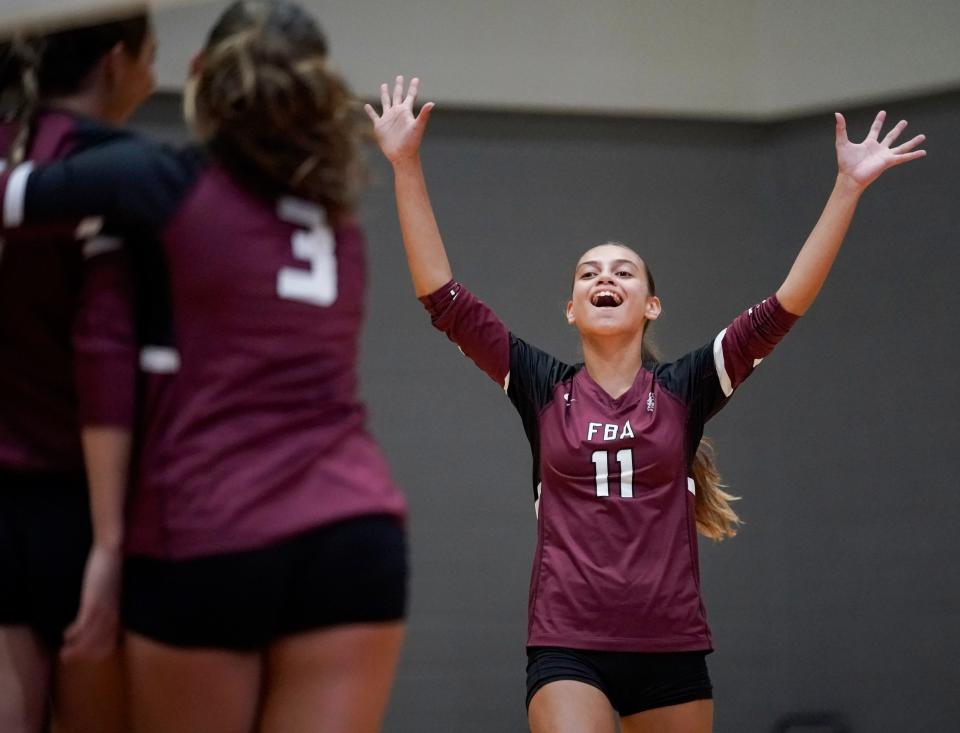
x=625 y=459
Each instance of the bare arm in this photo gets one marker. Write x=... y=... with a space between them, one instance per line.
x=858 y=166
x=399 y=135
x=94 y=631
x=107 y=454
x=105 y=349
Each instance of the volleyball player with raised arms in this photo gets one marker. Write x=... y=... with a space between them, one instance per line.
x=265 y=587
x=616 y=622
x=67 y=373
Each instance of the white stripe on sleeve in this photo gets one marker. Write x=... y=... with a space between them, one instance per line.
x=101 y=245
x=89 y=227
x=13 y=202
x=725 y=384
x=159 y=360
x=506 y=382
x=3 y=167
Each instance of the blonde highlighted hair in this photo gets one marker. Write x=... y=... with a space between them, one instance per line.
x=18 y=80
x=715 y=518
x=273 y=111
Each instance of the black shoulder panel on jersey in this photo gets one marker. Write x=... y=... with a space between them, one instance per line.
x=693 y=380
x=534 y=374
x=134 y=184
x=87 y=133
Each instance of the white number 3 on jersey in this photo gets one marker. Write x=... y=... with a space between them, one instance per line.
x=314 y=244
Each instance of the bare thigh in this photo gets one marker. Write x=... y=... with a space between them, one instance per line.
x=191 y=690
x=688 y=717
x=24 y=679
x=334 y=680
x=90 y=696
x=568 y=706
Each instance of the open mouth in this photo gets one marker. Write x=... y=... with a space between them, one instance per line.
x=606 y=299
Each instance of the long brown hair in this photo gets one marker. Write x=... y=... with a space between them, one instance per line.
x=715 y=517
x=272 y=110
x=36 y=66
x=18 y=79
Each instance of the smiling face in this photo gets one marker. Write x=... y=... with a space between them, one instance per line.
x=611 y=293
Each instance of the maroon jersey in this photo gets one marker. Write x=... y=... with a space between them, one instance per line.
x=254 y=430
x=616 y=564
x=67 y=346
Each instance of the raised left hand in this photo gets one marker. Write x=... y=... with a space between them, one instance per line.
x=862 y=163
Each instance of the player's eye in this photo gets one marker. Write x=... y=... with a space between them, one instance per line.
x=587 y=275
x=624 y=273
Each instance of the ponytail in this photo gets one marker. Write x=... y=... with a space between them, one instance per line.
x=272 y=110
x=19 y=69
x=715 y=517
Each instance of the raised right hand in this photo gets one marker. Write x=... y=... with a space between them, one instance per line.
x=398 y=132
x=862 y=163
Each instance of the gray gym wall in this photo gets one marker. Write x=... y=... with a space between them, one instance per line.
x=840 y=594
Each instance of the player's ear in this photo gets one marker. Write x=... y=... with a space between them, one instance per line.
x=196 y=63
x=570 y=319
x=113 y=65
x=653 y=307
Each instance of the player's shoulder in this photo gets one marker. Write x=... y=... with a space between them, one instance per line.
x=531 y=351
x=56 y=133
x=530 y=360
x=684 y=373
x=132 y=149
x=153 y=171
x=87 y=132
x=145 y=180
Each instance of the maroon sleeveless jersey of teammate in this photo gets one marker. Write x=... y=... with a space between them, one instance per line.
x=67 y=346
x=616 y=565
x=254 y=430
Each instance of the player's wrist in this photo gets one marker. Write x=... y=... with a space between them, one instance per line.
x=108 y=543
x=847 y=185
x=409 y=163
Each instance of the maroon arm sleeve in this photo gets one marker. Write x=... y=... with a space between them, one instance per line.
x=104 y=338
x=745 y=342
x=472 y=326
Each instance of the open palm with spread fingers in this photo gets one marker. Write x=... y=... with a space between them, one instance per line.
x=863 y=162
x=397 y=130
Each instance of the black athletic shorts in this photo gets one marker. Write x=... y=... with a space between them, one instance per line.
x=353 y=571
x=632 y=681
x=45 y=537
